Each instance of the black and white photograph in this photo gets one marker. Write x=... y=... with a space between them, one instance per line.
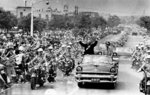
x=74 y=47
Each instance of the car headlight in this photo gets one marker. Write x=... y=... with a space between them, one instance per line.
x=115 y=54
x=79 y=68
x=113 y=70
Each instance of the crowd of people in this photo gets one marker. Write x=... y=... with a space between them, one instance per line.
x=141 y=54
x=50 y=50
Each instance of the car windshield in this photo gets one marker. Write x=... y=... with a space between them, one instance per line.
x=96 y=59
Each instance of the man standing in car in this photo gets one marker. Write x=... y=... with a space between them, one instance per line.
x=89 y=47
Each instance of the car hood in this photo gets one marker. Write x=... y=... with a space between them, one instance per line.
x=97 y=68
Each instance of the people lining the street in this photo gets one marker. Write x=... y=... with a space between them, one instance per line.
x=49 y=50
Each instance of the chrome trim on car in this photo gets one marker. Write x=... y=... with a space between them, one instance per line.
x=101 y=81
x=96 y=76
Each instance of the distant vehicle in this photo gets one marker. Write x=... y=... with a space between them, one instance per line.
x=97 y=69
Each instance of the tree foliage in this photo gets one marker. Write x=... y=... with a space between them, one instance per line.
x=113 y=21
x=85 y=22
x=81 y=24
x=39 y=24
x=25 y=24
x=57 y=22
x=79 y=21
x=7 y=20
x=61 y=22
x=99 y=22
x=144 y=22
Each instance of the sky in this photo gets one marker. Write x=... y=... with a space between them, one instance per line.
x=119 y=7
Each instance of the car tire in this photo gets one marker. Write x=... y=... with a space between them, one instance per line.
x=33 y=83
x=41 y=83
x=147 y=91
x=80 y=84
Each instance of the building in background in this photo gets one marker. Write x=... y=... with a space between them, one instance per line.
x=46 y=10
x=22 y=11
x=40 y=9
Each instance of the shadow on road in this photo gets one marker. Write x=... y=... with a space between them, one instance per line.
x=99 y=86
x=49 y=86
x=120 y=85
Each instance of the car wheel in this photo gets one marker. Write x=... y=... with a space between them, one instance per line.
x=147 y=91
x=33 y=83
x=80 y=84
x=41 y=83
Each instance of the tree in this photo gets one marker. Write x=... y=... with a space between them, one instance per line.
x=99 y=22
x=70 y=22
x=7 y=20
x=25 y=24
x=58 y=21
x=85 y=22
x=113 y=21
x=39 y=24
x=144 y=22
x=62 y=22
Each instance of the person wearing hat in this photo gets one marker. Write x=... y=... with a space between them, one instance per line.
x=69 y=49
x=8 y=54
x=20 y=64
x=51 y=67
x=40 y=52
x=60 y=51
x=70 y=61
x=39 y=57
x=48 y=55
x=4 y=83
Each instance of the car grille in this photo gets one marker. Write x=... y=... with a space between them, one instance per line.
x=106 y=79
x=101 y=76
x=92 y=73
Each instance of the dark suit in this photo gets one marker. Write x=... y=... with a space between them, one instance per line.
x=89 y=48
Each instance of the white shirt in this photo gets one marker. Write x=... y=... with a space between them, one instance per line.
x=19 y=58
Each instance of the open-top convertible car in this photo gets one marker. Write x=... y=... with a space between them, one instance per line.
x=97 y=69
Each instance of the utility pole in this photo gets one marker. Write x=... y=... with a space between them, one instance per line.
x=25 y=3
x=32 y=23
x=31 y=20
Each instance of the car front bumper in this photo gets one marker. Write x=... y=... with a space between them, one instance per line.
x=96 y=78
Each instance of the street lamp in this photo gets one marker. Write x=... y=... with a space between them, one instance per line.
x=32 y=24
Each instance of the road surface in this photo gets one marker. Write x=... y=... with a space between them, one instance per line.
x=128 y=81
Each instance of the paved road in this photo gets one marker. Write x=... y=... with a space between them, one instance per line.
x=128 y=81
x=133 y=41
